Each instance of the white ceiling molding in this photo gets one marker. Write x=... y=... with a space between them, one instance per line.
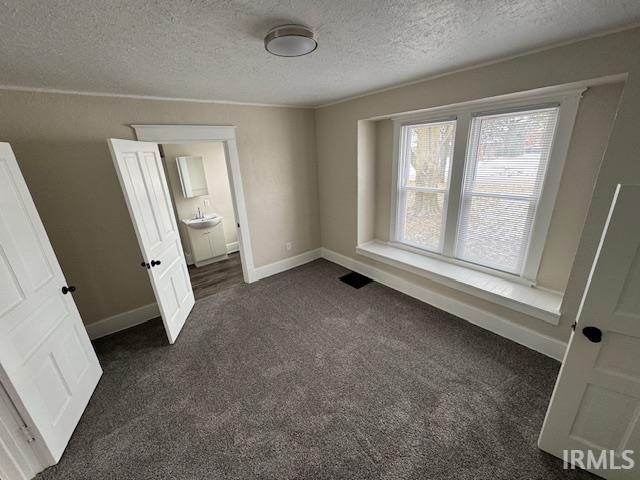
x=214 y=51
x=542 y=92
x=145 y=97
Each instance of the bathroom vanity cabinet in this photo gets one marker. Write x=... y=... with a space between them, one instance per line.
x=207 y=242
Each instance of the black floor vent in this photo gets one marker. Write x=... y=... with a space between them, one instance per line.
x=355 y=280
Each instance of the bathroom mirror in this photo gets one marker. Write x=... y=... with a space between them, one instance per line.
x=192 y=176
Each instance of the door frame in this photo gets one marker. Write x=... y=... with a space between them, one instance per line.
x=25 y=460
x=226 y=134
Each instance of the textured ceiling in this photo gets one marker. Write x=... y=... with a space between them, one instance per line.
x=213 y=49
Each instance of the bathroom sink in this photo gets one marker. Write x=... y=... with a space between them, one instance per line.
x=207 y=221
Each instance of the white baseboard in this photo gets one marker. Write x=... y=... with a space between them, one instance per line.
x=286 y=264
x=142 y=314
x=233 y=247
x=122 y=321
x=502 y=326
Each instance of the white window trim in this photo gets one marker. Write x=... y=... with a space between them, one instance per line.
x=536 y=302
x=462 y=263
x=567 y=99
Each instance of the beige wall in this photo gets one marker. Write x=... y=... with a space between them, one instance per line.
x=337 y=127
x=219 y=197
x=384 y=170
x=59 y=141
x=367 y=149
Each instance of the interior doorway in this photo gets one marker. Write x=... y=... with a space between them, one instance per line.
x=143 y=180
x=200 y=189
x=188 y=135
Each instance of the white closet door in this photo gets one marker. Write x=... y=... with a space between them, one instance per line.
x=596 y=402
x=47 y=363
x=145 y=188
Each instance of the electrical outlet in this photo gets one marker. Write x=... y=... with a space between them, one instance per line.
x=287 y=246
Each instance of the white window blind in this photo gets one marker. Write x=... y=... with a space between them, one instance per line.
x=506 y=159
x=424 y=177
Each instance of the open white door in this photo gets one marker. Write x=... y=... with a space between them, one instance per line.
x=145 y=188
x=47 y=364
x=596 y=402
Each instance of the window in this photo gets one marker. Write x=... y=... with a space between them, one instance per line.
x=471 y=182
x=507 y=157
x=424 y=185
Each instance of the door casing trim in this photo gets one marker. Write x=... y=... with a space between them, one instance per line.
x=226 y=134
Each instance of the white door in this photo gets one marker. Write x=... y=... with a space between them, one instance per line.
x=18 y=461
x=596 y=402
x=47 y=363
x=142 y=178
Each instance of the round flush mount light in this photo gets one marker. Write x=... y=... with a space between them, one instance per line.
x=290 y=41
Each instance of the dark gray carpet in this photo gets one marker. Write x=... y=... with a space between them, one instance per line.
x=302 y=376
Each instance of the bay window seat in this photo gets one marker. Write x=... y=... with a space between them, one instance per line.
x=531 y=300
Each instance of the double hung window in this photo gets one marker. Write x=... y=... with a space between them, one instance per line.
x=473 y=184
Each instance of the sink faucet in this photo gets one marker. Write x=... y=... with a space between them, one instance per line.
x=199 y=215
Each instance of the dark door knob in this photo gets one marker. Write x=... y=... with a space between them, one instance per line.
x=594 y=334
x=155 y=262
x=68 y=289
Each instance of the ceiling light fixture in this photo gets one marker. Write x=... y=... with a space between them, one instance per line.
x=290 y=41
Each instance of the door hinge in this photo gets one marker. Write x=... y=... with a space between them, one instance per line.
x=27 y=433
x=573 y=326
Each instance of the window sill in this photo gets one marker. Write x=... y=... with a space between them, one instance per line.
x=533 y=301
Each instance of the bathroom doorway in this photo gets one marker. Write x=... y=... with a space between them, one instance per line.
x=203 y=204
x=219 y=135
x=147 y=193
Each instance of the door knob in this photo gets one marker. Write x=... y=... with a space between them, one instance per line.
x=594 y=334
x=144 y=264
x=68 y=289
x=155 y=262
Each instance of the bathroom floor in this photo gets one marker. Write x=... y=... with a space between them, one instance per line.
x=215 y=277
